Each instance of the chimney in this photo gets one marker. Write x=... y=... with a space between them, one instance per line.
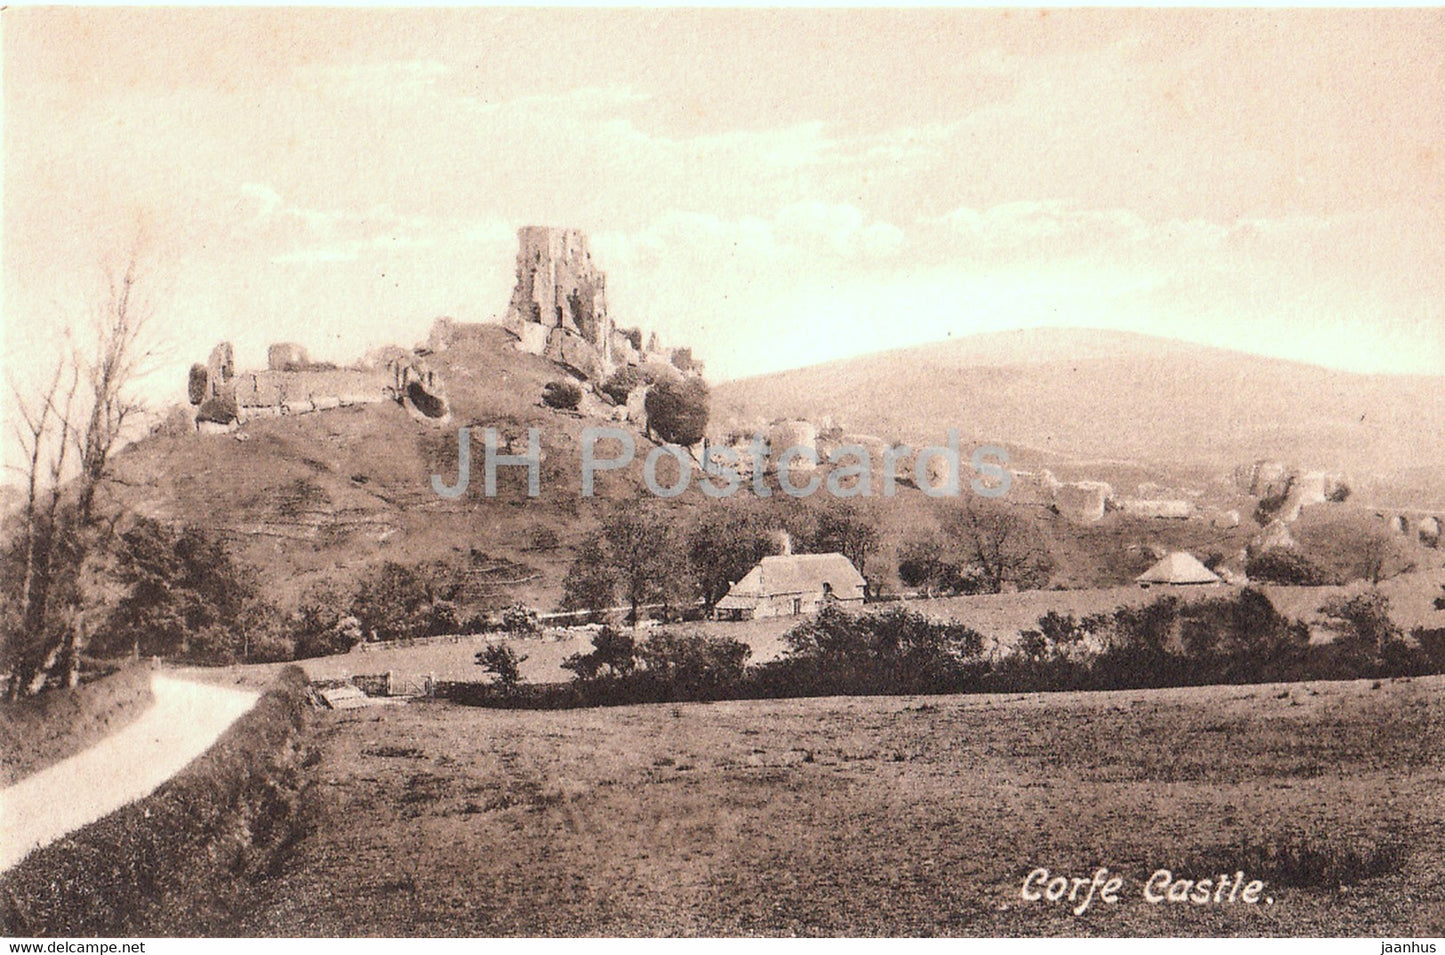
x=785 y=543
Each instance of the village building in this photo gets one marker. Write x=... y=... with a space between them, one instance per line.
x=1178 y=569
x=792 y=584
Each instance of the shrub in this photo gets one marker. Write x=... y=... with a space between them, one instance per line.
x=614 y=649
x=677 y=411
x=1285 y=566
x=1363 y=621
x=563 y=395
x=623 y=382
x=502 y=662
x=1304 y=860
x=542 y=538
x=682 y=359
x=1431 y=642
x=521 y=619
x=894 y=650
x=693 y=666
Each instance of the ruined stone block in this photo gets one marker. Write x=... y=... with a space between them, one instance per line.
x=198 y=384
x=287 y=356
x=575 y=352
x=1082 y=502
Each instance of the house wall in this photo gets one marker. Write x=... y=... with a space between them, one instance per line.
x=781 y=605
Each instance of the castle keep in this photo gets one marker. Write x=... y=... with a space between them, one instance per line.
x=559 y=304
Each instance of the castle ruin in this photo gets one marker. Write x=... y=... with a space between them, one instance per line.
x=559 y=304
x=293 y=384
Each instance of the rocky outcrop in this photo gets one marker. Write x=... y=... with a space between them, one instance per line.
x=1275 y=535
x=574 y=352
x=1286 y=490
x=783 y=435
x=1225 y=519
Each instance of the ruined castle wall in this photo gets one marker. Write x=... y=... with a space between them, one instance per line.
x=278 y=389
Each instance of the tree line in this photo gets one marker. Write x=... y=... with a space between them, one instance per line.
x=1169 y=642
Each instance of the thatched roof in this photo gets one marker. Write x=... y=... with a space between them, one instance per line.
x=1180 y=567
x=788 y=574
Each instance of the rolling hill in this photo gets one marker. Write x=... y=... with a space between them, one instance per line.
x=1088 y=399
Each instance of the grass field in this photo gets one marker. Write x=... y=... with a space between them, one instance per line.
x=873 y=815
x=999 y=617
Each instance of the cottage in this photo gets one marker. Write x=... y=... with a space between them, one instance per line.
x=791 y=584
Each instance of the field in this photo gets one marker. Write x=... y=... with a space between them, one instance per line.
x=873 y=815
x=999 y=617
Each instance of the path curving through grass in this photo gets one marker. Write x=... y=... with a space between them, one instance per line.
x=184 y=721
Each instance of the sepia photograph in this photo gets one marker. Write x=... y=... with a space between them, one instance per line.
x=481 y=472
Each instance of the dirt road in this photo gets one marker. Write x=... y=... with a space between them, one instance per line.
x=184 y=721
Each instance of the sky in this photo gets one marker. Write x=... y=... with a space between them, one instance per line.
x=773 y=188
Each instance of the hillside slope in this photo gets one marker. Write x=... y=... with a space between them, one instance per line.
x=1103 y=396
x=328 y=494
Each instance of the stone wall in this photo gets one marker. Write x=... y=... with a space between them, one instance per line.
x=225 y=397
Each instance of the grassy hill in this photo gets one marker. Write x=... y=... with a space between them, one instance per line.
x=1107 y=403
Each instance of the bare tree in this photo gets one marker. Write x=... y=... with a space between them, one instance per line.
x=1004 y=547
x=45 y=440
x=67 y=433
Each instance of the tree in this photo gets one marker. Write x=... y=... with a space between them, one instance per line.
x=636 y=551
x=923 y=563
x=591 y=581
x=677 y=411
x=502 y=662
x=1380 y=556
x=321 y=626
x=391 y=602
x=644 y=552
x=1004 y=547
x=69 y=430
x=183 y=595
x=845 y=527
x=724 y=543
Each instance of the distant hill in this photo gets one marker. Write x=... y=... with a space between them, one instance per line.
x=1117 y=398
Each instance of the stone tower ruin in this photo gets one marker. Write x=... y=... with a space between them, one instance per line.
x=559 y=304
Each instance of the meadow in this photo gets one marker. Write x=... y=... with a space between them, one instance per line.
x=915 y=816
x=999 y=617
